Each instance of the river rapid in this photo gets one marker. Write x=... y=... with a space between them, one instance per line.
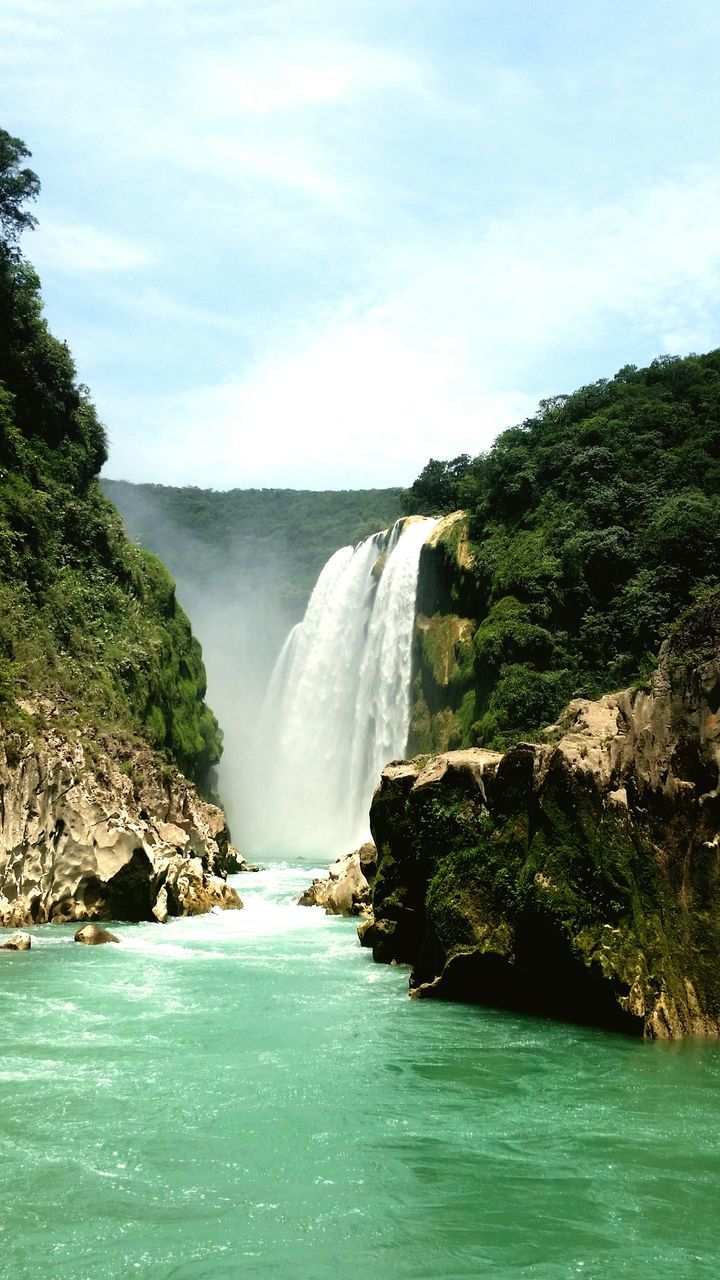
x=247 y=1095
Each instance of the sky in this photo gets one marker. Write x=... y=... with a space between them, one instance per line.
x=313 y=243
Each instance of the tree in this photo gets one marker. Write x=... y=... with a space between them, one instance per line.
x=17 y=186
x=437 y=490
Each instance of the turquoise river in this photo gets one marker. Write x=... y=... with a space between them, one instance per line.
x=247 y=1095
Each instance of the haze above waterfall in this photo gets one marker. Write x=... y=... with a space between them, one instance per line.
x=339 y=702
x=245 y=563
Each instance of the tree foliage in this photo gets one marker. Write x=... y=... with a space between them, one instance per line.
x=440 y=487
x=17 y=186
x=86 y=618
x=593 y=525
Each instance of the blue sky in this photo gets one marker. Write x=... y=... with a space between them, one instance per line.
x=314 y=243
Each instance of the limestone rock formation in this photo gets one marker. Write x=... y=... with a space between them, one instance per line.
x=97 y=829
x=346 y=891
x=578 y=877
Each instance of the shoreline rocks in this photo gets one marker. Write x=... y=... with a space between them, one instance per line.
x=102 y=829
x=346 y=891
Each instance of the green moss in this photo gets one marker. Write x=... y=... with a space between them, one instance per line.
x=466 y=717
x=594 y=882
x=420 y=736
x=447 y=648
x=452 y=537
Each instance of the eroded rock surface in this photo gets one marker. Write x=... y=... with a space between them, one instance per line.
x=16 y=942
x=579 y=877
x=346 y=891
x=101 y=831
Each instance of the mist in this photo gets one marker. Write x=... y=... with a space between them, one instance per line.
x=245 y=563
x=241 y=629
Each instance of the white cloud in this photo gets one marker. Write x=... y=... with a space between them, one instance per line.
x=365 y=395
x=270 y=78
x=284 y=115
x=563 y=275
x=65 y=247
x=279 y=164
x=361 y=403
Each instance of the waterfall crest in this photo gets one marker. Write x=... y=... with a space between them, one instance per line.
x=338 y=706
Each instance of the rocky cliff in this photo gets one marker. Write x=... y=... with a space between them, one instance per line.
x=95 y=828
x=578 y=877
x=443 y=694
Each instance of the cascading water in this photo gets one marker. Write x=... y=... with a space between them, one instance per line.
x=338 y=706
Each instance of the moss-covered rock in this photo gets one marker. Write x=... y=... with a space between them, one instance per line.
x=578 y=878
x=584 y=531
x=102 y=684
x=443 y=695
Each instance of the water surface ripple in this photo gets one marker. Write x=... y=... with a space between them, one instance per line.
x=247 y=1095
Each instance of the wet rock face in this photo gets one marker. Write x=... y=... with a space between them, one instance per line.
x=578 y=878
x=346 y=891
x=83 y=839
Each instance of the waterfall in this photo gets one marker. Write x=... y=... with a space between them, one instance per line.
x=338 y=706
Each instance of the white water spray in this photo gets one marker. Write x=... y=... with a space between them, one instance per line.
x=338 y=707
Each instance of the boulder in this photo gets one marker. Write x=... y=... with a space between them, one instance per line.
x=187 y=891
x=233 y=863
x=16 y=942
x=92 y=935
x=161 y=908
x=346 y=891
x=367 y=853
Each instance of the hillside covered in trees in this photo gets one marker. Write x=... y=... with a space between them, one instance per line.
x=242 y=540
x=589 y=528
x=88 y=621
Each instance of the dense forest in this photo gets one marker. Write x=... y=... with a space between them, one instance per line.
x=591 y=527
x=244 y=540
x=87 y=620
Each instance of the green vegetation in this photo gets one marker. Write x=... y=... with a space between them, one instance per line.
x=87 y=620
x=562 y=877
x=216 y=543
x=591 y=527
